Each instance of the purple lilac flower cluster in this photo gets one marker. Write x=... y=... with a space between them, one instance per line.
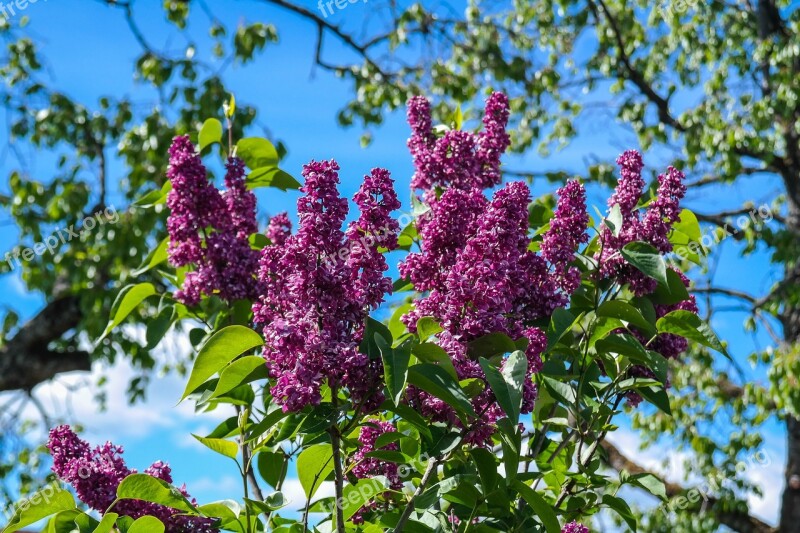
x=209 y=229
x=459 y=159
x=320 y=284
x=652 y=227
x=367 y=467
x=474 y=264
x=574 y=527
x=95 y=473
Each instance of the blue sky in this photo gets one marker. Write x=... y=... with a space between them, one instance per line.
x=89 y=51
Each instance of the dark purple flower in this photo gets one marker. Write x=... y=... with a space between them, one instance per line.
x=95 y=474
x=319 y=286
x=459 y=159
x=574 y=527
x=209 y=229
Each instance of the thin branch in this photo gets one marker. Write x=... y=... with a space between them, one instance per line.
x=433 y=465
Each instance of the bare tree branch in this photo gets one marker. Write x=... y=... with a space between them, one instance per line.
x=27 y=360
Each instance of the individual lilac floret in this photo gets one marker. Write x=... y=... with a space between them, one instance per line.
x=209 y=229
x=567 y=231
x=279 y=229
x=318 y=288
x=459 y=159
x=95 y=474
x=574 y=527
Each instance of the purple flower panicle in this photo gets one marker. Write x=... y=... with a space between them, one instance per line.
x=459 y=159
x=319 y=285
x=209 y=229
x=95 y=473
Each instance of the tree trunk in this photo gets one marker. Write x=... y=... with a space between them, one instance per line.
x=790 y=506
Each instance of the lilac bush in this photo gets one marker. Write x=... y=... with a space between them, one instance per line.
x=515 y=329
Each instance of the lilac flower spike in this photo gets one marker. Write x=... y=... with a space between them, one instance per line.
x=319 y=285
x=459 y=159
x=95 y=474
x=210 y=229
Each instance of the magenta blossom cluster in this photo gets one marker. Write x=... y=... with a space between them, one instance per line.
x=574 y=527
x=95 y=473
x=319 y=285
x=368 y=467
x=474 y=266
x=459 y=159
x=209 y=229
x=653 y=227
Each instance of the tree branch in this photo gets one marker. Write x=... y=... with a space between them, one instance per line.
x=26 y=359
x=742 y=522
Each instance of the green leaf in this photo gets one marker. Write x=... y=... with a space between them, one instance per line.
x=651 y=484
x=435 y=380
x=154 y=197
x=257 y=152
x=368 y=344
x=243 y=370
x=154 y=258
x=491 y=345
x=543 y=510
x=671 y=293
x=690 y=326
x=218 y=351
x=486 y=463
x=150 y=489
x=614 y=220
x=563 y=392
x=621 y=507
x=355 y=496
x=395 y=366
x=221 y=446
x=46 y=502
x=210 y=133
x=431 y=353
x=147 y=524
x=687 y=224
x=271 y=466
x=314 y=464
x=106 y=523
x=427 y=327
x=560 y=323
x=647 y=259
x=507 y=384
x=230 y=107
x=271 y=177
x=127 y=300
x=656 y=396
x=628 y=313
